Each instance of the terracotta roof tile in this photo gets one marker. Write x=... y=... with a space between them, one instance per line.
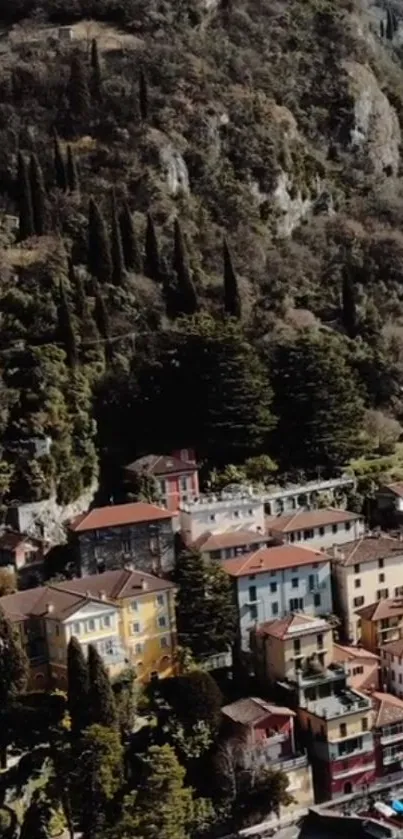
x=251 y=710
x=117 y=515
x=382 y=609
x=393 y=647
x=396 y=488
x=273 y=558
x=229 y=539
x=160 y=464
x=388 y=708
x=281 y=627
x=368 y=549
x=306 y=519
x=116 y=584
x=343 y=653
x=45 y=600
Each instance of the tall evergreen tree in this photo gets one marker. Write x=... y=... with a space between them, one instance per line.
x=66 y=331
x=102 y=707
x=349 y=307
x=390 y=30
x=13 y=663
x=25 y=211
x=36 y=820
x=99 y=255
x=38 y=196
x=78 y=93
x=152 y=267
x=143 y=95
x=77 y=286
x=77 y=686
x=60 y=168
x=71 y=171
x=130 y=250
x=232 y=299
x=382 y=29
x=187 y=303
x=101 y=315
x=118 y=267
x=96 y=75
x=97 y=777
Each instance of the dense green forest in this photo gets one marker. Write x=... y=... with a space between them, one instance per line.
x=201 y=235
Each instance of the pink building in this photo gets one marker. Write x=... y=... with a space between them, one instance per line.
x=176 y=475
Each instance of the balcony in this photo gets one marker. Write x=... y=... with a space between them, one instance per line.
x=388 y=739
x=287 y=764
x=387 y=759
x=276 y=737
x=353 y=770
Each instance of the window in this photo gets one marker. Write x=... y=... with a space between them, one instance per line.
x=91 y=625
x=212 y=517
x=252 y=594
x=126 y=544
x=400 y=678
x=316 y=599
x=308 y=534
x=162 y=622
x=321 y=531
x=381 y=578
x=135 y=628
x=273 y=588
x=319 y=641
x=357 y=583
x=382 y=594
x=356 y=569
x=160 y=599
x=364 y=724
x=296 y=603
x=292 y=537
x=358 y=601
x=358 y=671
x=138 y=649
x=107 y=620
x=164 y=643
x=236 y=514
x=334 y=528
x=252 y=576
x=216 y=554
x=399 y=591
x=274 y=608
x=183 y=484
x=295 y=582
x=297 y=646
x=347 y=525
x=76 y=628
x=380 y=563
x=163 y=487
x=253 y=613
x=343 y=729
x=311 y=582
x=134 y=606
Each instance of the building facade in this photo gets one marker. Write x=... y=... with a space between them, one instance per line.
x=224 y=513
x=274 y=581
x=285 y=499
x=139 y=535
x=391 y=656
x=227 y=545
x=24 y=555
x=381 y=622
x=389 y=504
x=388 y=733
x=317 y=528
x=362 y=667
x=176 y=476
x=283 y=648
x=363 y=572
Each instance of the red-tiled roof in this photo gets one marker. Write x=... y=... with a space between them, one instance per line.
x=369 y=549
x=393 y=647
x=305 y=623
x=382 y=609
x=396 y=488
x=10 y=540
x=343 y=653
x=307 y=519
x=229 y=539
x=388 y=709
x=251 y=710
x=45 y=600
x=160 y=464
x=118 y=515
x=271 y=559
x=117 y=584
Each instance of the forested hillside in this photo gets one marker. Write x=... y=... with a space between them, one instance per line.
x=201 y=234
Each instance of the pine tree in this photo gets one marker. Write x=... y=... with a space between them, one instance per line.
x=36 y=820
x=78 y=91
x=38 y=196
x=66 y=331
x=143 y=96
x=102 y=707
x=60 y=168
x=77 y=686
x=25 y=211
x=71 y=171
x=118 y=268
x=131 y=253
x=187 y=303
x=232 y=300
x=206 y=614
x=99 y=256
x=152 y=266
x=349 y=308
x=13 y=663
x=96 y=75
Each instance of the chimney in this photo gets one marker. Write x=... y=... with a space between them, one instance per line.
x=144 y=584
x=50 y=608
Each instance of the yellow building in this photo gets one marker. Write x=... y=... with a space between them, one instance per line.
x=127 y=615
x=381 y=622
x=282 y=648
x=363 y=572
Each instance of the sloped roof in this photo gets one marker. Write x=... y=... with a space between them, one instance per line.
x=160 y=464
x=116 y=584
x=352 y=653
x=388 y=708
x=368 y=549
x=233 y=538
x=117 y=515
x=10 y=540
x=44 y=601
x=252 y=710
x=381 y=609
x=393 y=647
x=281 y=627
x=396 y=488
x=272 y=559
x=307 y=519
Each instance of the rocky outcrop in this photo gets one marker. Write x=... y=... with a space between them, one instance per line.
x=176 y=172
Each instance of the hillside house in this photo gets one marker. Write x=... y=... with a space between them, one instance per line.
x=176 y=476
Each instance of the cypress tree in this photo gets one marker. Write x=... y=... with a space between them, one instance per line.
x=152 y=267
x=118 y=267
x=66 y=331
x=389 y=24
x=99 y=255
x=77 y=686
x=143 y=95
x=76 y=284
x=382 y=29
x=131 y=253
x=102 y=705
x=101 y=315
x=187 y=299
x=96 y=75
x=60 y=168
x=71 y=171
x=395 y=22
x=25 y=211
x=232 y=300
x=78 y=91
x=38 y=196
x=349 y=308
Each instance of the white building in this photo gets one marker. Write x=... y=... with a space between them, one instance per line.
x=317 y=528
x=229 y=511
x=392 y=667
x=272 y=582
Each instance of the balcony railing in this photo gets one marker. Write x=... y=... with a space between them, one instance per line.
x=287 y=764
x=387 y=759
x=387 y=739
x=353 y=770
x=276 y=737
